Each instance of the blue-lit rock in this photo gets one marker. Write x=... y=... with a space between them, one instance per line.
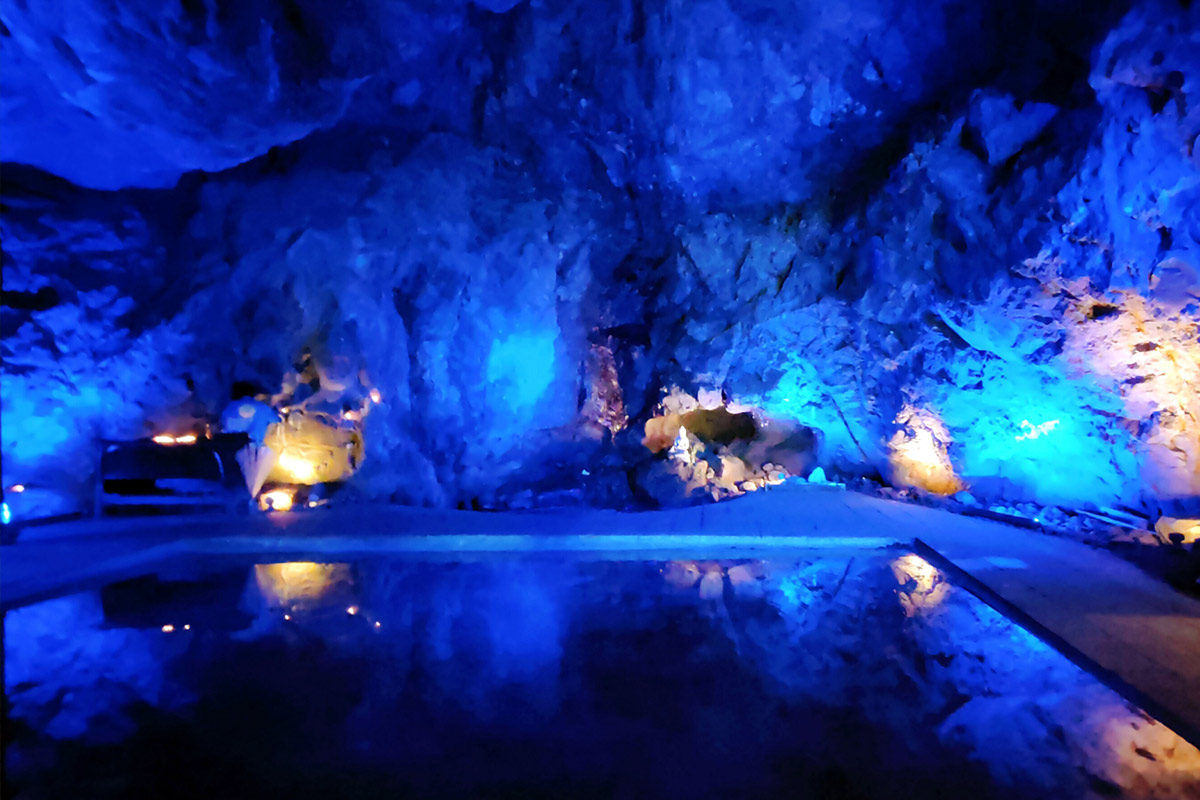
x=1004 y=127
x=987 y=213
x=958 y=289
x=97 y=671
x=459 y=295
x=136 y=95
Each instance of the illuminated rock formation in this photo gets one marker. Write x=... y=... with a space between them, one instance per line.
x=522 y=223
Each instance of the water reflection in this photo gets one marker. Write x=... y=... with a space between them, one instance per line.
x=704 y=678
x=742 y=576
x=923 y=587
x=303 y=585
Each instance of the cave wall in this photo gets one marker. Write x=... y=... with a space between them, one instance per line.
x=851 y=216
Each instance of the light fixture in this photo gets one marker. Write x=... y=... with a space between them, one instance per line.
x=168 y=439
x=1031 y=431
x=276 y=500
x=168 y=628
x=300 y=470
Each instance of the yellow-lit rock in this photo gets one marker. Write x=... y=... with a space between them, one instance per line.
x=311 y=451
x=1189 y=529
x=918 y=453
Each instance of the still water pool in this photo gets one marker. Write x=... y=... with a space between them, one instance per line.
x=860 y=675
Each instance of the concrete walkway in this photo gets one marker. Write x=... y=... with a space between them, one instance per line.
x=1131 y=630
x=49 y=559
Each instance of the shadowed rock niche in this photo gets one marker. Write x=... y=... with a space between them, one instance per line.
x=937 y=249
x=714 y=451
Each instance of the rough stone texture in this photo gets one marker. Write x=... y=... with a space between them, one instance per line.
x=460 y=296
x=992 y=297
x=112 y=94
x=987 y=212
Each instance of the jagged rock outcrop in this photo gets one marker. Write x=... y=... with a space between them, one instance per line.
x=113 y=95
x=853 y=220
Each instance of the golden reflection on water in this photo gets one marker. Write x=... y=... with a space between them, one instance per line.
x=299 y=583
x=922 y=585
x=743 y=577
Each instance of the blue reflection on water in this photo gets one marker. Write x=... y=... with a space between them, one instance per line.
x=813 y=677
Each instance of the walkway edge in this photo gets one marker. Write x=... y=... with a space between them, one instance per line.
x=960 y=577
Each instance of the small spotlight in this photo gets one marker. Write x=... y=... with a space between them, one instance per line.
x=168 y=628
x=352 y=610
x=187 y=438
x=17 y=488
x=376 y=397
x=187 y=627
x=377 y=625
x=287 y=617
x=276 y=500
x=163 y=439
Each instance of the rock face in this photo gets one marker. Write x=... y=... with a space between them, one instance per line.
x=523 y=224
x=114 y=95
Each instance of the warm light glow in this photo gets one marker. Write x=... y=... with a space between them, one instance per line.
x=923 y=448
x=276 y=500
x=912 y=567
x=17 y=488
x=312 y=450
x=352 y=610
x=300 y=470
x=376 y=397
x=287 y=617
x=1150 y=349
x=168 y=628
x=919 y=455
x=1185 y=531
x=351 y=416
x=377 y=625
x=1129 y=740
x=187 y=627
x=682 y=574
x=1031 y=431
x=930 y=585
x=291 y=583
x=166 y=438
